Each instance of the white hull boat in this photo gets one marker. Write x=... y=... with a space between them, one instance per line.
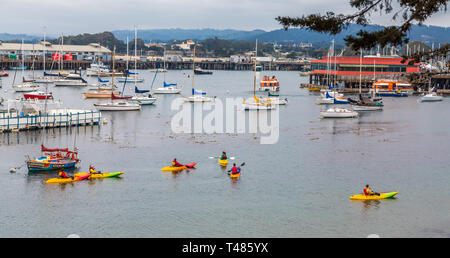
x=117 y=106
x=143 y=100
x=431 y=97
x=366 y=108
x=338 y=113
x=198 y=98
x=167 y=90
x=130 y=79
x=26 y=87
x=257 y=106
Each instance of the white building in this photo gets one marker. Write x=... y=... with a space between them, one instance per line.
x=78 y=51
x=186 y=45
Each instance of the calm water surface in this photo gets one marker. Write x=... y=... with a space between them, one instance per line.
x=298 y=187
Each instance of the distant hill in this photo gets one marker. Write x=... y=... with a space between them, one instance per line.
x=166 y=35
x=426 y=34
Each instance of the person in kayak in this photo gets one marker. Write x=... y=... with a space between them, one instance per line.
x=175 y=163
x=93 y=171
x=63 y=174
x=224 y=156
x=235 y=170
x=368 y=191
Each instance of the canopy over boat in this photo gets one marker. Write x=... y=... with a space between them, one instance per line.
x=45 y=149
x=129 y=72
x=169 y=84
x=198 y=92
x=136 y=90
x=100 y=80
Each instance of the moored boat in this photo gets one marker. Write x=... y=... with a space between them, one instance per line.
x=431 y=97
x=338 y=113
x=38 y=95
x=269 y=84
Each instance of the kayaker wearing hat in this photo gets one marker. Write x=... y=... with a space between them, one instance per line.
x=368 y=191
x=175 y=163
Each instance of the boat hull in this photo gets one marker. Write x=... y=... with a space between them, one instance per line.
x=167 y=90
x=35 y=166
x=373 y=197
x=112 y=107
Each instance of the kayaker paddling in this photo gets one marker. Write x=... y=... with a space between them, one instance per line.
x=369 y=192
x=175 y=163
x=235 y=170
x=92 y=170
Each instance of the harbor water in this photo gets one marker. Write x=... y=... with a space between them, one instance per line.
x=298 y=187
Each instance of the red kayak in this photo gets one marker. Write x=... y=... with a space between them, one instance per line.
x=192 y=165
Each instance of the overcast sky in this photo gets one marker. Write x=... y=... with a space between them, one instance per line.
x=91 y=16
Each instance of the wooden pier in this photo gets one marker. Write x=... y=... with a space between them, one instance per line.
x=8 y=64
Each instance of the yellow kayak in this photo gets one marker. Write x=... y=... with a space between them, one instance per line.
x=373 y=197
x=174 y=168
x=101 y=175
x=223 y=163
x=235 y=176
x=66 y=180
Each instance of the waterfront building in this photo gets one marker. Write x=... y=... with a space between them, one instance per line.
x=346 y=70
x=78 y=52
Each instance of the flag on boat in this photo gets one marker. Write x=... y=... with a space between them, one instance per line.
x=128 y=72
x=198 y=92
x=169 y=84
x=100 y=80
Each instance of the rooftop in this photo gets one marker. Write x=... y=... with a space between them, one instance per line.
x=40 y=46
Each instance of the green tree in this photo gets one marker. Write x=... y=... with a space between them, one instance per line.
x=407 y=12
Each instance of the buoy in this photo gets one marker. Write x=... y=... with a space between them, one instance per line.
x=105 y=121
x=13 y=170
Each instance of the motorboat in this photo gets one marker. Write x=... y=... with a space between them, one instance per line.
x=431 y=97
x=338 y=113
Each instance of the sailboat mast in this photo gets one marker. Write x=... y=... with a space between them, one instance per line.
x=193 y=69
x=23 y=60
x=112 y=75
x=135 y=54
x=62 y=52
x=127 y=54
x=164 y=60
x=44 y=47
x=254 y=74
x=360 y=72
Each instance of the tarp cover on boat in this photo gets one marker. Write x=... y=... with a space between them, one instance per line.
x=199 y=92
x=43 y=148
x=169 y=84
x=50 y=74
x=128 y=72
x=136 y=90
x=100 y=80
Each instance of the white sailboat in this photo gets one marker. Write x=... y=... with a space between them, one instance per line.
x=257 y=103
x=431 y=97
x=197 y=95
x=26 y=86
x=335 y=112
x=121 y=104
x=132 y=76
x=168 y=88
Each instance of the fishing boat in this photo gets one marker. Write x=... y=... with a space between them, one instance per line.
x=338 y=113
x=197 y=95
x=38 y=95
x=269 y=84
x=53 y=159
x=142 y=97
x=73 y=79
x=392 y=88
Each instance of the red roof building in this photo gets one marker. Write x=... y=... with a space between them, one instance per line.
x=348 y=69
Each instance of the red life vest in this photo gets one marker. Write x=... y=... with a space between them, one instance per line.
x=234 y=170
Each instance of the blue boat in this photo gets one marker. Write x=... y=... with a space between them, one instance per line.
x=22 y=67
